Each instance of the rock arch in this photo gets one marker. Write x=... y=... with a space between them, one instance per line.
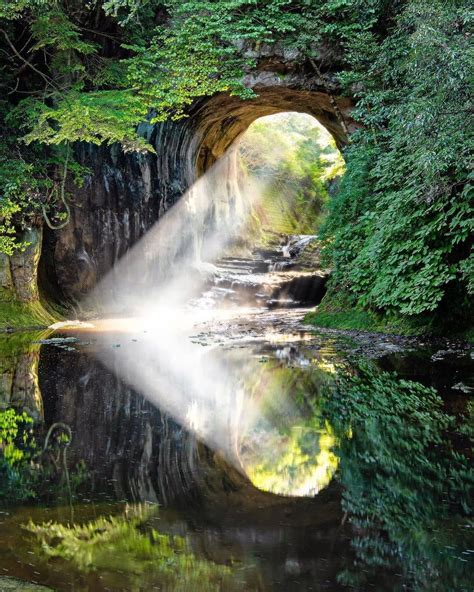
x=125 y=194
x=223 y=118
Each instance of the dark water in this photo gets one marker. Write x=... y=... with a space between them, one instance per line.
x=249 y=455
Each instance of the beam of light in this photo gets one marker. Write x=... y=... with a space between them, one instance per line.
x=147 y=339
x=230 y=401
x=172 y=261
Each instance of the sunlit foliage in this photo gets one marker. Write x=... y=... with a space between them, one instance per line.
x=300 y=462
x=128 y=545
x=297 y=160
x=16 y=448
x=402 y=225
x=290 y=449
x=32 y=468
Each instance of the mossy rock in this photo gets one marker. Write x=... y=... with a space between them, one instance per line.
x=336 y=311
x=15 y=585
x=24 y=315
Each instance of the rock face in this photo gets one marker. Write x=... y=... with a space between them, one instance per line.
x=134 y=451
x=118 y=203
x=125 y=194
x=18 y=279
x=19 y=381
x=116 y=432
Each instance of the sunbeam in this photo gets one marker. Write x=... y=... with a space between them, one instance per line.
x=149 y=297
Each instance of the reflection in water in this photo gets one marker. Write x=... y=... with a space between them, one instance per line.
x=19 y=388
x=408 y=481
x=384 y=464
x=243 y=409
x=131 y=554
x=298 y=463
x=288 y=448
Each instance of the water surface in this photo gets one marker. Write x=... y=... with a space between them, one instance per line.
x=246 y=454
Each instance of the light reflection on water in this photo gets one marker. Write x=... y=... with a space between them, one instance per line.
x=372 y=486
x=300 y=462
x=239 y=405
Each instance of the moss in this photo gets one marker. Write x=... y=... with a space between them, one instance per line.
x=359 y=320
x=19 y=315
x=277 y=214
x=336 y=311
x=131 y=554
x=355 y=320
x=20 y=342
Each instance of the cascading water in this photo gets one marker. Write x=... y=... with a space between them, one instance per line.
x=272 y=277
x=296 y=244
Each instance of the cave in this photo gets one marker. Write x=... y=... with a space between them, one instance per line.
x=124 y=194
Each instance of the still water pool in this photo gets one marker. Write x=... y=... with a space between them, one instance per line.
x=244 y=454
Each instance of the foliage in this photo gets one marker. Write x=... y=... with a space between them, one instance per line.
x=50 y=99
x=338 y=310
x=9 y=207
x=30 y=470
x=407 y=474
x=305 y=462
x=130 y=545
x=12 y=428
x=289 y=449
x=16 y=448
x=195 y=52
x=30 y=182
x=401 y=227
x=198 y=51
x=16 y=205
x=94 y=117
x=13 y=9
x=294 y=159
x=399 y=232
x=93 y=72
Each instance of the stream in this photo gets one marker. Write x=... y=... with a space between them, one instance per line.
x=241 y=451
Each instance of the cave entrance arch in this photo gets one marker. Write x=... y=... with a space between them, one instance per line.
x=275 y=207
x=220 y=120
x=125 y=194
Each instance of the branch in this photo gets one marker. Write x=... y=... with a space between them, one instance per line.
x=26 y=62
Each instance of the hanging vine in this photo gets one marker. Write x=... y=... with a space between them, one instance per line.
x=62 y=195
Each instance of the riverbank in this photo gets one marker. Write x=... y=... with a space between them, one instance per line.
x=334 y=313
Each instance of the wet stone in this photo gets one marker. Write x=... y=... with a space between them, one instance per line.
x=8 y=584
